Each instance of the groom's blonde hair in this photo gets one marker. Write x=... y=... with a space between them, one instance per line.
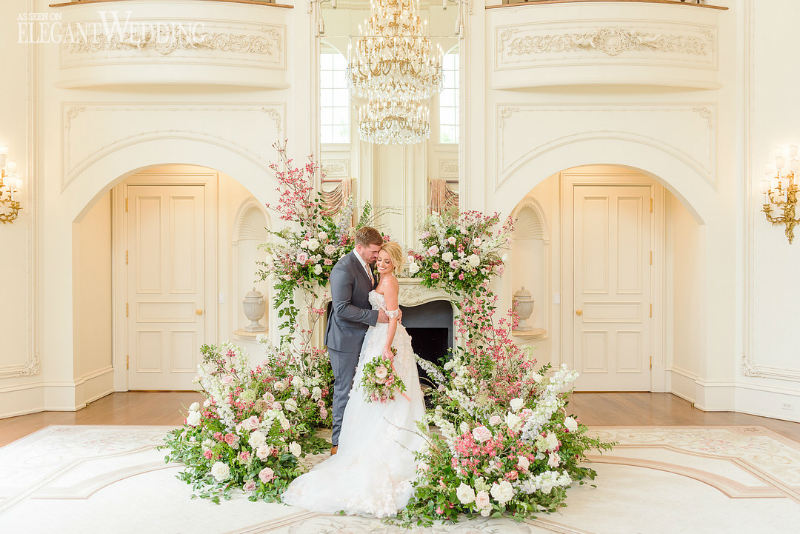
x=395 y=253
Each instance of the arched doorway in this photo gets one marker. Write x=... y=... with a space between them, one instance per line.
x=212 y=221
x=609 y=255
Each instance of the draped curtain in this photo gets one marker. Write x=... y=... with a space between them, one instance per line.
x=441 y=198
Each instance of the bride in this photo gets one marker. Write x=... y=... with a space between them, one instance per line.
x=372 y=472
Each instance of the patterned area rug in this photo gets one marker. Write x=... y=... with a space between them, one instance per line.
x=85 y=479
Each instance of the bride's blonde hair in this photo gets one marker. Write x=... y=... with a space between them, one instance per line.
x=395 y=253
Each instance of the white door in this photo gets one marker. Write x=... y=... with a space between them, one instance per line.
x=166 y=294
x=611 y=266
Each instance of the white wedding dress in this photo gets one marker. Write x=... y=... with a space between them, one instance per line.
x=372 y=472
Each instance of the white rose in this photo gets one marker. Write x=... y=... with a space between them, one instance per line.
x=330 y=249
x=413 y=268
x=284 y=422
x=495 y=420
x=571 y=424
x=279 y=386
x=516 y=404
x=316 y=393
x=473 y=260
x=294 y=448
x=553 y=460
x=207 y=403
x=477 y=241
x=513 y=421
x=318 y=269
x=268 y=397
x=194 y=406
x=464 y=427
x=523 y=463
x=220 y=471
x=481 y=434
x=193 y=418
x=447 y=256
x=482 y=501
x=503 y=492
x=297 y=382
x=465 y=494
x=304 y=243
x=257 y=439
x=322 y=236
x=451 y=240
x=313 y=244
x=449 y=364
x=263 y=452
x=290 y=405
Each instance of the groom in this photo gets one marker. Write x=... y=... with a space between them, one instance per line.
x=351 y=280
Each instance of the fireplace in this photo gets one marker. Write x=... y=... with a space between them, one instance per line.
x=430 y=326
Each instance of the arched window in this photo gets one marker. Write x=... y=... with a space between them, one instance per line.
x=334 y=98
x=448 y=99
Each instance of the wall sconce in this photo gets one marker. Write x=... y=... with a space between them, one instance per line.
x=9 y=185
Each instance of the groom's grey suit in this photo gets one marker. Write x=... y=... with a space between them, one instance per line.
x=348 y=322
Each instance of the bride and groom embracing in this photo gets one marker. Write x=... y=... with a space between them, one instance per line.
x=373 y=471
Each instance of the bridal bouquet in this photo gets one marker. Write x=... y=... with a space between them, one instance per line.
x=379 y=381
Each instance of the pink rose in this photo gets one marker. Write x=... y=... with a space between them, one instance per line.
x=512 y=475
x=227 y=380
x=244 y=456
x=435 y=265
x=230 y=439
x=208 y=454
x=461 y=276
x=302 y=258
x=481 y=434
x=381 y=372
x=266 y=475
x=433 y=250
x=250 y=485
x=435 y=276
x=323 y=413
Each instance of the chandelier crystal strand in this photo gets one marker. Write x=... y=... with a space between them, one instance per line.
x=393 y=56
x=394 y=122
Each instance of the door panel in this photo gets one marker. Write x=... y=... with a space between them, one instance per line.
x=166 y=290
x=611 y=287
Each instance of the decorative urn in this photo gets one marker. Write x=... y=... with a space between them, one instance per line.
x=254 y=307
x=523 y=306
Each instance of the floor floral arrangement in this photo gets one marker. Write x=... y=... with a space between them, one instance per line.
x=500 y=440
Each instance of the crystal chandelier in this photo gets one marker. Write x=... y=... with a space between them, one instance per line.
x=394 y=121
x=396 y=67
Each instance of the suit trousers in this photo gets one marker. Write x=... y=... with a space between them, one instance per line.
x=344 y=369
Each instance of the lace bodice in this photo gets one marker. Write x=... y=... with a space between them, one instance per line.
x=378 y=302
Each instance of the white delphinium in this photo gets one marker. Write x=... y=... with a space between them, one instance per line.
x=432 y=371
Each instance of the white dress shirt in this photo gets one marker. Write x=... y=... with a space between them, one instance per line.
x=364 y=265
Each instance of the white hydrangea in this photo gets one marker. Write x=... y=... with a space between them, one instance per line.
x=220 y=471
x=193 y=418
x=503 y=492
x=465 y=494
x=257 y=439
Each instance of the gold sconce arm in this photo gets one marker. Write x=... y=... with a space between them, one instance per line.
x=9 y=185
x=780 y=192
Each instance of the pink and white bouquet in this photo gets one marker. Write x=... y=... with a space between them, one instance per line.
x=380 y=382
x=254 y=425
x=460 y=251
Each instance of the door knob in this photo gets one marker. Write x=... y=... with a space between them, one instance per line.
x=199 y=311
x=578 y=312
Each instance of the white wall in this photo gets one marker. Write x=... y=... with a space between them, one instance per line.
x=769 y=379
x=91 y=255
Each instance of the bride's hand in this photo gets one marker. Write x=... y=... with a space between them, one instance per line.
x=388 y=354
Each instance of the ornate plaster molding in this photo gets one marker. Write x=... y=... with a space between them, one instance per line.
x=610 y=40
x=268 y=42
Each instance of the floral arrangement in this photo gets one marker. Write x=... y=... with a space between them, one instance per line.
x=461 y=251
x=255 y=424
x=380 y=381
x=500 y=440
x=302 y=256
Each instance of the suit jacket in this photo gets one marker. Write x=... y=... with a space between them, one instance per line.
x=352 y=313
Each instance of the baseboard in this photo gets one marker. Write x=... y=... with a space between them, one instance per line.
x=766 y=402
x=682 y=384
x=24 y=399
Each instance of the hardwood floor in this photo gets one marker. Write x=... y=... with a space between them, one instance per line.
x=600 y=409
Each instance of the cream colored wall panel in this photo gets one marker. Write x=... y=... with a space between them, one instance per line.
x=684 y=131
x=158 y=43
x=249 y=129
x=608 y=44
